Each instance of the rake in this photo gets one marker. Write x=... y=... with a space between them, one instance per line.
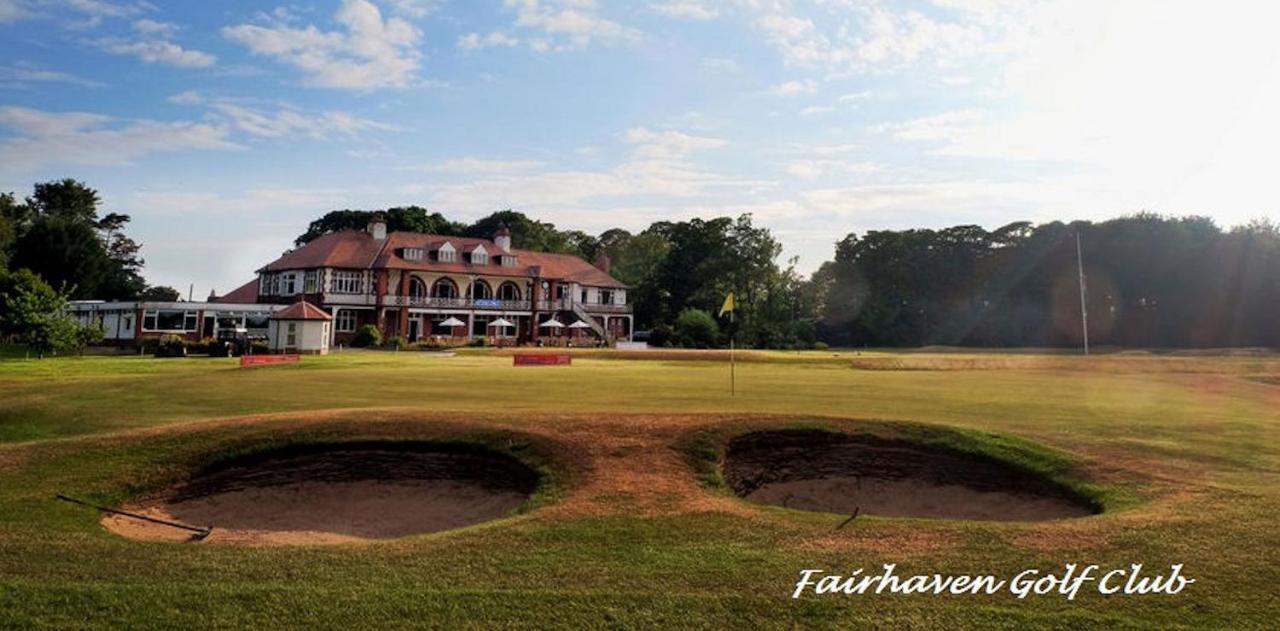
x=198 y=532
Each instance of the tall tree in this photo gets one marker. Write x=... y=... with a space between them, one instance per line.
x=400 y=218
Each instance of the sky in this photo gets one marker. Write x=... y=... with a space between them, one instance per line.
x=224 y=127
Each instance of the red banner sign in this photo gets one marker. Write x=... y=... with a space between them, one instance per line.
x=543 y=359
x=262 y=360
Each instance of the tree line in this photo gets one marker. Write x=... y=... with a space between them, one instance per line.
x=1150 y=280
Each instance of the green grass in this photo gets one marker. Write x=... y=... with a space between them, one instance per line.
x=1185 y=451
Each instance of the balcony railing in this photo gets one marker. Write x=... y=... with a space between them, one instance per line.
x=563 y=304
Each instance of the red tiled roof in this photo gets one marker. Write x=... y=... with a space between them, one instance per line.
x=359 y=250
x=244 y=294
x=301 y=310
x=348 y=248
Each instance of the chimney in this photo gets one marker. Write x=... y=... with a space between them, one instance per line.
x=502 y=238
x=602 y=262
x=378 y=226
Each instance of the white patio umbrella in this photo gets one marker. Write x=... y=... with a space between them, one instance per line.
x=502 y=322
x=453 y=323
x=580 y=324
x=552 y=324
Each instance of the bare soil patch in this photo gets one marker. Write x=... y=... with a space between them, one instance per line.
x=339 y=493
x=839 y=473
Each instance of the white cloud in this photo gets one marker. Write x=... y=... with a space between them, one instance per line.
x=286 y=122
x=12 y=11
x=667 y=144
x=792 y=88
x=368 y=52
x=944 y=126
x=817 y=109
x=153 y=27
x=416 y=8
x=476 y=41
x=471 y=165
x=159 y=51
x=721 y=64
x=40 y=139
x=567 y=24
x=21 y=73
x=688 y=9
x=814 y=169
x=187 y=97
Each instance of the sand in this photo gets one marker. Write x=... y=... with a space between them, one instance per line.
x=835 y=473
x=335 y=496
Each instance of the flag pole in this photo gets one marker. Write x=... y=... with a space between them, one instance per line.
x=733 y=378
x=1084 y=312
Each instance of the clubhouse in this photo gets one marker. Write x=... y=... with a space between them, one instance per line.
x=414 y=285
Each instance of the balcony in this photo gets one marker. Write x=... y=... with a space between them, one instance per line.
x=604 y=308
x=431 y=302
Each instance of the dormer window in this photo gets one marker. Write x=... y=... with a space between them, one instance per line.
x=413 y=254
x=479 y=256
x=508 y=261
x=446 y=253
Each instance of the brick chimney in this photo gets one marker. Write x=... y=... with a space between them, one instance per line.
x=602 y=262
x=502 y=238
x=378 y=226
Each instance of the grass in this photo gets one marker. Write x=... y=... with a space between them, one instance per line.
x=1183 y=450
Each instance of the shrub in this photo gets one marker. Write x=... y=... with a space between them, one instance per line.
x=479 y=342
x=395 y=342
x=367 y=336
x=820 y=346
x=660 y=335
x=697 y=329
x=170 y=346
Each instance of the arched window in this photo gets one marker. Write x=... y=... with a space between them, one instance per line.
x=444 y=288
x=508 y=291
x=417 y=288
x=481 y=290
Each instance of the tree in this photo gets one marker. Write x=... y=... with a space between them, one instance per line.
x=160 y=293
x=696 y=328
x=404 y=219
x=59 y=236
x=526 y=233
x=34 y=312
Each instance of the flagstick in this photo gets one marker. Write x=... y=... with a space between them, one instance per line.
x=733 y=378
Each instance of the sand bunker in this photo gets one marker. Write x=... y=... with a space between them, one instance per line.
x=837 y=473
x=339 y=493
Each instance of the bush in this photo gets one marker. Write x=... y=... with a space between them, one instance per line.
x=697 y=329
x=820 y=346
x=395 y=342
x=479 y=342
x=170 y=346
x=367 y=336
x=660 y=335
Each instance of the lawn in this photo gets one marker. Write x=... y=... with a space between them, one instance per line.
x=1186 y=449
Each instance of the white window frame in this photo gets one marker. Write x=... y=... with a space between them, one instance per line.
x=413 y=254
x=346 y=282
x=190 y=321
x=345 y=322
x=311 y=281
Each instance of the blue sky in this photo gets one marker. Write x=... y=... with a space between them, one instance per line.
x=224 y=127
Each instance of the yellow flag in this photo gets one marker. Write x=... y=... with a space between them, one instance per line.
x=728 y=305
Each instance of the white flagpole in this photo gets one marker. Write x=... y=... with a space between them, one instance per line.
x=1084 y=312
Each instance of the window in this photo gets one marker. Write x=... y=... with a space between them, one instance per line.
x=168 y=320
x=346 y=282
x=291 y=340
x=481 y=290
x=508 y=291
x=346 y=321
x=288 y=284
x=584 y=296
x=257 y=323
x=311 y=281
x=444 y=288
x=508 y=261
x=417 y=288
x=274 y=289
x=479 y=257
x=606 y=297
x=446 y=253
x=413 y=254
